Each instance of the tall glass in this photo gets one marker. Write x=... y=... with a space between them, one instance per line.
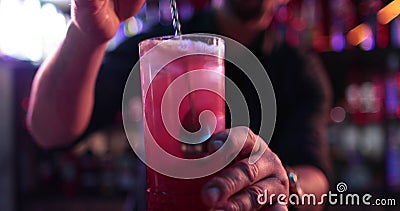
x=175 y=92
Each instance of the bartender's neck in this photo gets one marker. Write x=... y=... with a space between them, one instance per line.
x=232 y=27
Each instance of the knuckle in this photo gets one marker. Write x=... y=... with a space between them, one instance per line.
x=282 y=176
x=282 y=182
x=251 y=171
x=226 y=184
x=281 y=187
x=252 y=135
x=280 y=172
x=236 y=205
x=244 y=132
x=276 y=161
x=285 y=182
x=272 y=157
x=253 y=192
x=242 y=129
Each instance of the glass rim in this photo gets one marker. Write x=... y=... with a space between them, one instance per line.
x=177 y=37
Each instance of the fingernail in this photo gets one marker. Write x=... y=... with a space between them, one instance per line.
x=214 y=194
x=216 y=144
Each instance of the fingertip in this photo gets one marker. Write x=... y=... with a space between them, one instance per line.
x=217 y=141
x=214 y=145
x=211 y=196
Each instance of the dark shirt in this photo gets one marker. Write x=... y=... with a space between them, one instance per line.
x=299 y=81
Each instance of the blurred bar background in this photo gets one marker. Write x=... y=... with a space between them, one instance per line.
x=357 y=40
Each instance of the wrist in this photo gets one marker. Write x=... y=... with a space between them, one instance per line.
x=83 y=39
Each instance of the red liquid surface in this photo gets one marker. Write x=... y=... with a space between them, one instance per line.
x=164 y=192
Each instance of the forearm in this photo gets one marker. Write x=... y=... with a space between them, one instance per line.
x=63 y=90
x=312 y=181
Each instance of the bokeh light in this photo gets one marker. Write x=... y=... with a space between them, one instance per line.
x=359 y=34
x=338 y=114
x=30 y=31
x=389 y=12
x=338 y=41
x=133 y=26
x=368 y=44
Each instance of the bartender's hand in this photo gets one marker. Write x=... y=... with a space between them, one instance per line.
x=238 y=186
x=99 y=19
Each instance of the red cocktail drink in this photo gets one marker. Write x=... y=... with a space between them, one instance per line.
x=183 y=90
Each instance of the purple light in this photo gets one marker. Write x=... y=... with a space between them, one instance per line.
x=338 y=41
x=391 y=96
x=368 y=44
x=395 y=32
